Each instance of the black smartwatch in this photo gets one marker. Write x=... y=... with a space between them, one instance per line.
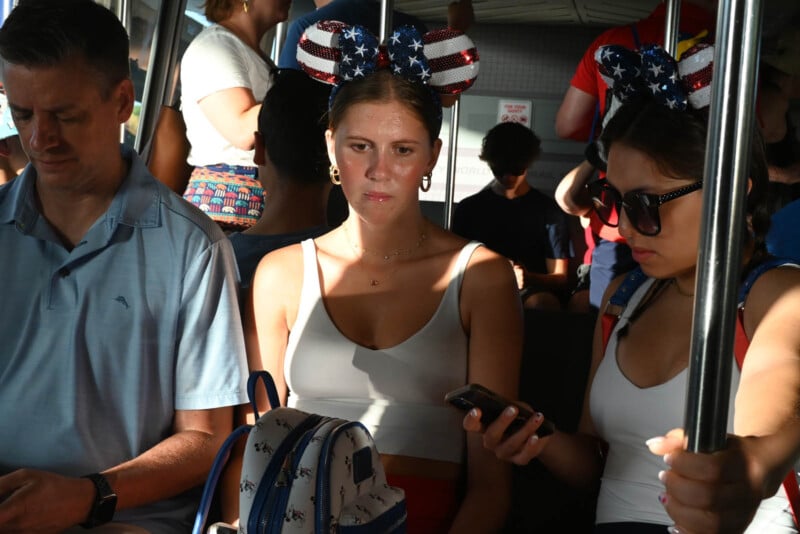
x=105 y=502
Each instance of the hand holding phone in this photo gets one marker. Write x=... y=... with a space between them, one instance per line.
x=492 y=405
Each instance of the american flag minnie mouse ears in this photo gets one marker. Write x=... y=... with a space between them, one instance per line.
x=653 y=71
x=333 y=52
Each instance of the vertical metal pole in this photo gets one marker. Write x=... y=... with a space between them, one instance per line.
x=387 y=7
x=450 y=182
x=730 y=134
x=672 y=27
x=124 y=15
x=277 y=43
x=159 y=86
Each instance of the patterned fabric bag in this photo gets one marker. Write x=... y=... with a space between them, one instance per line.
x=307 y=473
x=231 y=195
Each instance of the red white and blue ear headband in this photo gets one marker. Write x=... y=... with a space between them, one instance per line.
x=653 y=71
x=334 y=52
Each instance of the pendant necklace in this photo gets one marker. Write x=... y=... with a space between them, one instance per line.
x=387 y=257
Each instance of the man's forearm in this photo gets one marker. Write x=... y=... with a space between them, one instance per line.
x=176 y=464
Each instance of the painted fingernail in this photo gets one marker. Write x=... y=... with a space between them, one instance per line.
x=662 y=476
x=652 y=442
x=673 y=530
x=662 y=498
x=538 y=416
x=668 y=458
x=473 y=413
x=533 y=439
x=511 y=411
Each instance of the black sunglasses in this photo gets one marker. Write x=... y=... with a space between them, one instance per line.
x=641 y=208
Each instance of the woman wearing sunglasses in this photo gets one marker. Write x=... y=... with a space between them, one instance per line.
x=637 y=381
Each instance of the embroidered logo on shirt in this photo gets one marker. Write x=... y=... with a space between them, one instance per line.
x=122 y=301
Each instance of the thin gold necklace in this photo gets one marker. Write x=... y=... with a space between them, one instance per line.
x=360 y=252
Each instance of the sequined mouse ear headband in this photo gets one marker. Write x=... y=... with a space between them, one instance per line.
x=334 y=52
x=653 y=71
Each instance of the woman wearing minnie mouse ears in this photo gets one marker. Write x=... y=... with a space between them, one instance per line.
x=654 y=146
x=379 y=318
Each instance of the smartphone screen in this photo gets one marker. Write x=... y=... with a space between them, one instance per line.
x=492 y=405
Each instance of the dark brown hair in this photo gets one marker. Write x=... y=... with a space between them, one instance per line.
x=676 y=142
x=45 y=33
x=510 y=148
x=292 y=123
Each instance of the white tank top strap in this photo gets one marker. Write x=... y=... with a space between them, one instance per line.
x=463 y=260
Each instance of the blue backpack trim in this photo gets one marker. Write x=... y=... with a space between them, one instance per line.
x=220 y=460
x=269 y=384
x=757 y=271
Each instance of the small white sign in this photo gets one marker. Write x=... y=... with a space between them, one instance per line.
x=515 y=111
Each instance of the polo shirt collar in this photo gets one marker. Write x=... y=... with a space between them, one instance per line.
x=135 y=204
x=138 y=199
x=18 y=204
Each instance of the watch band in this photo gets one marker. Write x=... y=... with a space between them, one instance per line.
x=105 y=502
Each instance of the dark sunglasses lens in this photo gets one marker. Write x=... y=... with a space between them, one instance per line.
x=605 y=201
x=643 y=213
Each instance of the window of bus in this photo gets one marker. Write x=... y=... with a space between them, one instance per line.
x=140 y=17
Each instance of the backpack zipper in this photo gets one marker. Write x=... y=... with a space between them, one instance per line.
x=257 y=522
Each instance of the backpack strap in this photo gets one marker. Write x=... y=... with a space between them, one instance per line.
x=619 y=301
x=210 y=487
x=635 y=32
x=269 y=385
x=741 y=344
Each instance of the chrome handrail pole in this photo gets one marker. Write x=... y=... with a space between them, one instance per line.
x=730 y=134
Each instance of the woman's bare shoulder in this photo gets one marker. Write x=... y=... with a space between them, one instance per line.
x=279 y=266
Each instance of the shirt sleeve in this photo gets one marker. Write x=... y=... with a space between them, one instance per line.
x=212 y=63
x=288 y=57
x=212 y=364
x=462 y=219
x=558 y=235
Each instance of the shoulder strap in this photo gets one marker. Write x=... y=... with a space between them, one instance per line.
x=220 y=461
x=635 y=32
x=619 y=301
x=741 y=344
x=269 y=385
x=595 y=120
x=757 y=271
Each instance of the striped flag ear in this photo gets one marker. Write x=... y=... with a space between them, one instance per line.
x=319 y=52
x=453 y=60
x=334 y=52
x=696 y=68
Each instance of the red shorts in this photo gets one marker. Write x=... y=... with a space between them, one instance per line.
x=431 y=503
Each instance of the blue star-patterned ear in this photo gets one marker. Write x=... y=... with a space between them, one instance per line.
x=651 y=70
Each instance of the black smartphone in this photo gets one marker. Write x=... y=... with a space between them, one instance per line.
x=492 y=405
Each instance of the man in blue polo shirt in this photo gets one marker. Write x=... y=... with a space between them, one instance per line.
x=122 y=351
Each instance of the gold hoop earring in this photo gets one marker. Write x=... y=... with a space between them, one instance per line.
x=333 y=171
x=245 y=6
x=425 y=186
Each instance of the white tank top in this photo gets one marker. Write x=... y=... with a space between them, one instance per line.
x=625 y=416
x=397 y=392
